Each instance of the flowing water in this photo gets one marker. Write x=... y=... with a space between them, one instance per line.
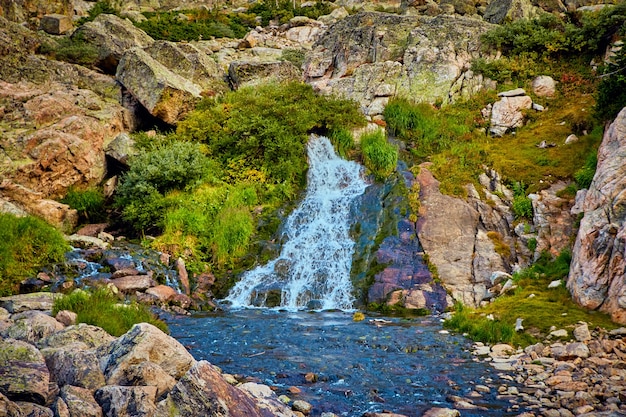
x=313 y=269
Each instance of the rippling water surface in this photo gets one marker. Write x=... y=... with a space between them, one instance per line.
x=404 y=366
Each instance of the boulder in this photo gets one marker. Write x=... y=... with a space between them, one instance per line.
x=553 y=219
x=596 y=278
x=148 y=374
x=112 y=36
x=23 y=372
x=498 y=11
x=71 y=365
x=80 y=402
x=243 y=73
x=120 y=149
x=34 y=410
x=163 y=93
x=506 y=114
x=66 y=317
x=25 y=302
x=163 y=293
x=31 y=11
x=203 y=391
x=408 y=52
x=117 y=401
x=544 y=86
x=30 y=326
x=8 y=408
x=91 y=336
x=132 y=283
x=266 y=399
x=56 y=24
x=441 y=412
x=145 y=343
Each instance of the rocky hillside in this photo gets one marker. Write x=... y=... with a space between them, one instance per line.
x=62 y=123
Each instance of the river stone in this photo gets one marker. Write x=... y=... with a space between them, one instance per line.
x=572 y=351
x=91 y=336
x=23 y=302
x=441 y=412
x=8 y=408
x=144 y=342
x=23 y=372
x=117 y=401
x=31 y=326
x=266 y=399
x=71 y=365
x=596 y=277
x=203 y=392
x=34 y=410
x=80 y=402
x=132 y=283
x=112 y=36
x=163 y=293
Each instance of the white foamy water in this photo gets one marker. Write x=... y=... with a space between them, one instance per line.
x=313 y=269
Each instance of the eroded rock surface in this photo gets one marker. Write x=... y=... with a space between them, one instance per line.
x=596 y=278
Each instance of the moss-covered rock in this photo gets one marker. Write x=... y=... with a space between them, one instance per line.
x=23 y=372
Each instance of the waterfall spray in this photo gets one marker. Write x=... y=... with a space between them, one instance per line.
x=313 y=269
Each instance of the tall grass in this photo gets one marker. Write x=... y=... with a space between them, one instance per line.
x=379 y=155
x=26 y=245
x=103 y=309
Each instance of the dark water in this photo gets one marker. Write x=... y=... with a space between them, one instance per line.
x=403 y=366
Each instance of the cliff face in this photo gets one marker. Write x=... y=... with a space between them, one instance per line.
x=597 y=278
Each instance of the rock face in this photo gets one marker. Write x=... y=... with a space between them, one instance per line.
x=596 y=278
x=369 y=57
x=463 y=250
x=255 y=73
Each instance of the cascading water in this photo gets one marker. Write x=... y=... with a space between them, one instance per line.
x=313 y=269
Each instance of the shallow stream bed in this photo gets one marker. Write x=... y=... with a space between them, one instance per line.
x=404 y=366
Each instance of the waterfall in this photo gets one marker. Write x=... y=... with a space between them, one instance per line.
x=313 y=269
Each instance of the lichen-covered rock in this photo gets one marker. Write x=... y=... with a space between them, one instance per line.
x=34 y=410
x=500 y=10
x=544 y=86
x=163 y=93
x=256 y=73
x=56 y=24
x=117 y=401
x=112 y=36
x=144 y=342
x=80 y=402
x=266 y=399
x=421 y=57
x=8 y=408
x=71 y=365
x=23 y=372
x=147 y=374
x=30 y=326
x=31 y=11
x=506 y=114
x=91 y=336
x=25 y=302
x=121 y=148
x=203 y=391
x=132 y=283
x=596 y=278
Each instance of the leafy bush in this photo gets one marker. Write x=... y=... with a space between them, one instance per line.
x=101 y=7
x=104 y=309
x=26 y=245
x=73 y=49
x=584 y=176
x=522 y=206
x=152 y=174
x=89 y=203
x=284 y=10
x=379 y=156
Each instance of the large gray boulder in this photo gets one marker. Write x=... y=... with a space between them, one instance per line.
x=417 y=56
x=242 y=73
x=23 y=372
x=500 y=10
x=25 y=302
x=80 y=402
x=596 y=278
x=71 y=365
x=8 y=408
x=204 y=392
x=112 y=36
x=145 y=343
x=507 y=113
x=30 y=326
x=89 y=335
x=117 y=401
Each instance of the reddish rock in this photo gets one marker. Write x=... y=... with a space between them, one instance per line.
x=132 y=283
x=163 y=293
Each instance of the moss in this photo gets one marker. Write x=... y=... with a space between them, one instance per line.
x=17 y=353
x=500 y=246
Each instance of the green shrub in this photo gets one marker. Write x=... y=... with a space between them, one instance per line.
x=73 y=49
x=26 y=245
x=89 y=203
x=584 y=176
x=104 y=309
x=379 y=156
x=611 y=93
x=152 y=174
x=522 y=205
x=284 y=10
x=101 y=7
x=295 y=56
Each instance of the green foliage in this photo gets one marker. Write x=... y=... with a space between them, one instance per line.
x=266 y=128
x=522 y=206
x=422 y=127
x=152 y=174
x=89 y=203
x=548 y=307
x=70 y=49
x=584 y=176
x=26 y=245
x=101 y=7
x=611 y=93
x=532 y=244
x=293 y=55
x=342 y=140
x=104 y=309
x=284 y=10
x=379 y=156
x=192 y=25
